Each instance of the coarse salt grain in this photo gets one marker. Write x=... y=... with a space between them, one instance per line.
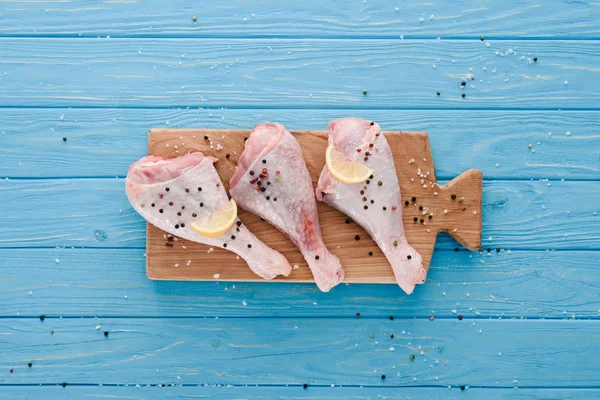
x=216 y=276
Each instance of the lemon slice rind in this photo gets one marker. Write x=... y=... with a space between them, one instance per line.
x=219 y=222
x=344 y=169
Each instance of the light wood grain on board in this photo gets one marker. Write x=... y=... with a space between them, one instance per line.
x=459 y=217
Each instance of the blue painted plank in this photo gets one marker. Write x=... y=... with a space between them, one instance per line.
x=329 y=18
x=218 y=392
x=194 y=351
x=103 y=142
x=303 y=73
x=96 y=213
x=100 y=282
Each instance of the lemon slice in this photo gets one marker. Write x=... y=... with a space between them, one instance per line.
x=219 y=222
x=344 y=169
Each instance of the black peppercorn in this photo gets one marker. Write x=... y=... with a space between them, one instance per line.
x=406 y=203
x=264 y=161
x=463 y=83
x=227 y=155
x=347 y=221
x=460 y=317
x=453 y=197
x=262 y=189
x=382 y=376
x=199 y=189
x=409 y=256
x=29 y=365
x=205 y=137
x=316 y=257
x=232 y=237
x=42 y=317
x=422 y=220
x=238 y=223
x=305 y=386
x=372 y=123
x=438 y=93
x=268 y=197
x=105 y=333
x=357 y=237
x=370 y=253
x=201 y=204
x=535 y=59
x=414 y=199
x=384 y=208
x=252 y=173
x=415 y=219
x=366 y=207
x=463 y=95
x=421 y=208
x=225 y=245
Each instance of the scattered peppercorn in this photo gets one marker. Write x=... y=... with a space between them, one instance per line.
x=225 y=245
x=412 y=357
x=268 y=197
x=372 y=201
x=370 y=253
x=422 y=220
x=391 y=317
x=64 y=384
x=364 y=91
x=463 y=95
x=453 y=197
x=364 y=199
x=372 y=123
x=42 y=317
x=160 y=211
x=460 y=317
x=535 y=59
x=383 y=377
x=239 y=223
x=456 y=249
x=463 y=83
x=366 y=207
x=274 y=198
x=105 y=333
x=201 y=204
x=482 y=38
x=462 y=387
x=414 y=199
x=392 y=336
x=488 y=249
x=264 y=161
x=305 y=386
x=64 y=138
x=176 y=226
x=438 y=93
x=395 y=243
x=195 y=215
x=415 y=219
x=430 y=217
x=431 y=317
x=357 y=315
x=421 y=208
x=249 y=246
x=263 y=189
x=153 y=205
x=409 y=256
x=251 y=173
x=29 y=365
x=347 y=221
x=379 y=183
x=227 y=155
x=384 y=208
x=179 y=213
x=357 y=237
x=205 y=137
x=497 y=249
x=199 y=189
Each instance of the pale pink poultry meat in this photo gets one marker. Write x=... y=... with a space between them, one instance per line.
x=272 y=181
x=374 y=204
x=173 y=193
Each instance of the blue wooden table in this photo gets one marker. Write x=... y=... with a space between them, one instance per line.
x=81 y=82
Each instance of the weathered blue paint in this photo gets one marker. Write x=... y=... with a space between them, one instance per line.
x=530 y=313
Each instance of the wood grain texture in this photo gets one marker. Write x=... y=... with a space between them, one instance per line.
x=287 y=73
x=329 y=19
x=460 y=218
x=224 y=392
x=100 y=282
x=496 y=142
x=297 y=351
x=95 y=213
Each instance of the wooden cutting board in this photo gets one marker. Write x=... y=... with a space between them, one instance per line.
x=362 y=259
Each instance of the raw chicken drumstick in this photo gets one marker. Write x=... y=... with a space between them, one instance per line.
x=172 y=194
x=375 y=203
x=271 y=181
